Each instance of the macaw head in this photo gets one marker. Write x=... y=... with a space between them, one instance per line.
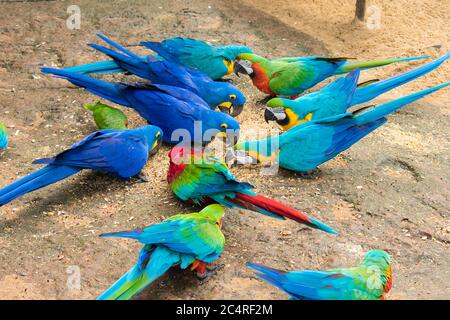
x=245 y=67
x=252 y=152
x=378 y=262
x=153 y=136
x=227 y=127
x=251 y=64
x=229 y=54
x=229 y=99
x=214 y=213
x=280 y=111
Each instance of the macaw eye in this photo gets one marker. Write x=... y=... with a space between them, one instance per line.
x=224 y=125
x=232 y=96
x=157 y=134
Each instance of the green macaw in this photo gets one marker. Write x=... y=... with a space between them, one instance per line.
x=107 y=117
x=371 y=280
x=193 y=239
x=291 y=76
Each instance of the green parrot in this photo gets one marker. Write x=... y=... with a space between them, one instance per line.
x=107 y=117
x=291 y=76
x=371 y=280
x=193 y=239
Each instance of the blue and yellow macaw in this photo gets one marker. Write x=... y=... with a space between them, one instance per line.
x=215 y=61
x=170 y=108
x=371 y=280
x=193 y=239
x=122 y=153
x=306 y=146
x=219 y=94
x=3 y=136
x=338 y=96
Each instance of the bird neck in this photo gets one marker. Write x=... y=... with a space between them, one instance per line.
x=175 y=170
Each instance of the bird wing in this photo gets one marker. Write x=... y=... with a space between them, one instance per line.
x=286 y=77
x=308 y=145
x=207 y=177
x=187 y=234
x=173 y=74
x=119 y=152
x=338 y=284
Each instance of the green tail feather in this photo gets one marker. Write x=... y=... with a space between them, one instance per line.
x=349 y=66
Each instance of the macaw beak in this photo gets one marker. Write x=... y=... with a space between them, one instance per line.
x=225 y=107
x=239 y=157
x=274 y=114
x=243 y=66
x=234 y=137
x=219 y=223
x=156 y=145
x=237 y=110
x=231 y=109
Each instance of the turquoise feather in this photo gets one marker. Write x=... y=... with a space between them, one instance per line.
x=371 y=280
x=308 y=145
x=180 y=239
x=3 y=136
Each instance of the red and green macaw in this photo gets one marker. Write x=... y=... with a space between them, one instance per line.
x=371 y=280
x=193 y=239
x=202 y=179
x=291 y=76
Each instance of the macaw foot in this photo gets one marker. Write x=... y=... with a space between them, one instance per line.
x=209 y=272
x=142 y=177
x=265 y=100
x=310 y=174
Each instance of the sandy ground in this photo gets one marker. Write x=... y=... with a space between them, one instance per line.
x=390 y=191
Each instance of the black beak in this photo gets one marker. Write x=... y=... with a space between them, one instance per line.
x=239 y=68
x=232 y=139
x=225 y=109
x=269 y=115
x=237 y=110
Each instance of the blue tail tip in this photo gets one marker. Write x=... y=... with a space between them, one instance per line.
x=322 y=226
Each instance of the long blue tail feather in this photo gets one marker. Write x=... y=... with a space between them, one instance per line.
x=371 y=91
x=388 y=108
x=96 y=68
x=36 y=180
x=104 y=89
x=119 y=47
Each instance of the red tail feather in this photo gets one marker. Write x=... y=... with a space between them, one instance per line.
x=254 y=202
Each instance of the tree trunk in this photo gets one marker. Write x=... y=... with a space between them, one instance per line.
x=360 y=12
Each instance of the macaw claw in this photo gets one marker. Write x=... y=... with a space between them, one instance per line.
x=210 y=270
x=142 y=177
x=310 y=174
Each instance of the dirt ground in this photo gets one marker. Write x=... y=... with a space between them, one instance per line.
x=389 y=191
